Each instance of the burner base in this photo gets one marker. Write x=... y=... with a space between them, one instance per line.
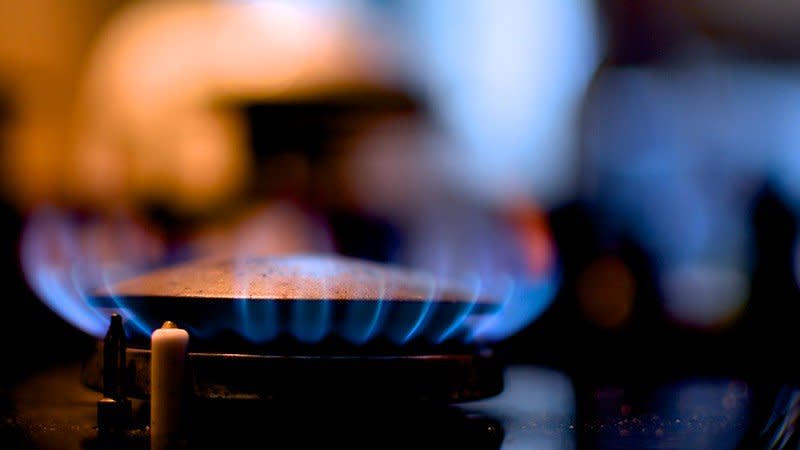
x=447 y=378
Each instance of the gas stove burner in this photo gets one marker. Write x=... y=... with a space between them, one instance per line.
x=309 y=327
x=275 y=302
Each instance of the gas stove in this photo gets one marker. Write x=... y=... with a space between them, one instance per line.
x=360 y=356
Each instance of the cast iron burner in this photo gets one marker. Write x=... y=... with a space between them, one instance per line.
x=357 y=296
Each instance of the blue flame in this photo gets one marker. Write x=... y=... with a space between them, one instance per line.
x=311 y=320
x=57 y=284
x=65 y=259
x=258 y=320
x=465 y=312
x=131 y=317
x=421 y=319
x=524 y=301
x=409 y=318
x=362 y=320
x=58 y=292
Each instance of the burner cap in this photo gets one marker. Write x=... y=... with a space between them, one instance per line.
x=310 y=297
x=299 y=277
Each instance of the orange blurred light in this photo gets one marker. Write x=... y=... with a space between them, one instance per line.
x=605 y=292
x=532 y=233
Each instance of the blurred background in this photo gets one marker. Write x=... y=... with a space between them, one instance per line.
x=640 y=158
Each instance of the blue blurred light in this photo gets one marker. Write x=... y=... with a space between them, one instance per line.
x=507 y=78
x=705 y=296
x=533 y=395
x=732 y=402
x=675 y=156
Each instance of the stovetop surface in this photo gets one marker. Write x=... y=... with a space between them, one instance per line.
x=540 y=408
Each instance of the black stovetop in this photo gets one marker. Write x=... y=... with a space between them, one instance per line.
x=540 y=408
